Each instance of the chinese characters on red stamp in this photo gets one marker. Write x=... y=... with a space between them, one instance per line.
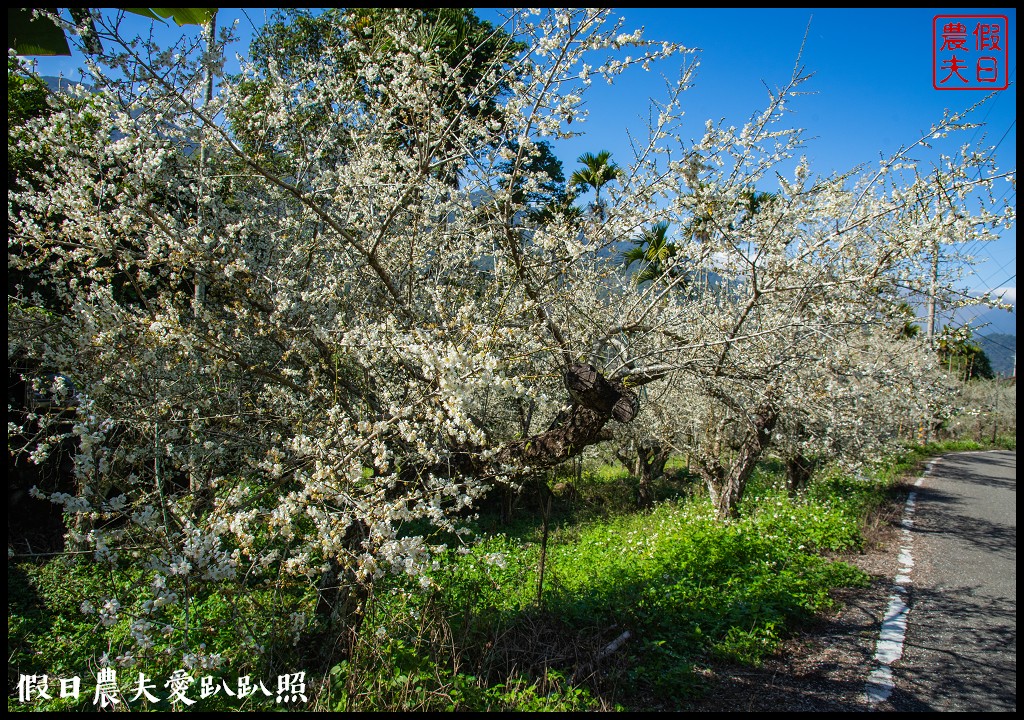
x=970 y=52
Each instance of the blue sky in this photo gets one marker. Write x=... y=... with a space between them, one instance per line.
x=873 y=83
x=873 y=92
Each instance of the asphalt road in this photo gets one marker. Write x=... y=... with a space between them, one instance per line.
x=960 y=645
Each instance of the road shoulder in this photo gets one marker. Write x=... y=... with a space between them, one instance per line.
x=824 y=666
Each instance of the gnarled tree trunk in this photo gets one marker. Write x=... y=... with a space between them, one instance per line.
x=651 y=458
x=799 y=469
x=646 y=462
x=727 y=484
x=595 y=401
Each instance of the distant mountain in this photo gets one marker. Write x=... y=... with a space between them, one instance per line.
x=1001 y=350
x=982 y=319
x=994 y=329
x=60 y=84
x=988 y=320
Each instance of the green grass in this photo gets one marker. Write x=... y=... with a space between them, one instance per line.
x=689 y=591
x=49 y=632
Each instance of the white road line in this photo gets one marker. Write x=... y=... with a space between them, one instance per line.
x=889 y=647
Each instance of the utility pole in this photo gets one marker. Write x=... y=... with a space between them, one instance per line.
x=931 y=295
x=198 y=485
x=210 y=37
x=995 y=415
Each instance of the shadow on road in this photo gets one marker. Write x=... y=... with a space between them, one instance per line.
x=947 y=517
x=968 y=644
x=983 y=470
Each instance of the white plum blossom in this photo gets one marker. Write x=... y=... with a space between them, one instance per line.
x=296 y=333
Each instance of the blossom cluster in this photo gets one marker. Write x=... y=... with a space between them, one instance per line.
x=303 y=314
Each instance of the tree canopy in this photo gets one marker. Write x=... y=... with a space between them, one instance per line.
x=314 y=317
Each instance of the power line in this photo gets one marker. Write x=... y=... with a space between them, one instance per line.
x=988 y=339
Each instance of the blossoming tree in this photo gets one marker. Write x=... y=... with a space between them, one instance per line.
x=305 y=339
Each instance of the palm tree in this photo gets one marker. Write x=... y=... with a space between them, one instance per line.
x=752 y=202
x=597 y=171
x=654 y=249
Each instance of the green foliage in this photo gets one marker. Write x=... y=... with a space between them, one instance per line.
x=497 y=575
x=905 y=317
x=962 y=356
x=551 y=195
x=180 y=16
x=597 y=171
x=651 y=251
x=38 y=36
x=692 y=589
x=54 y=629
x=688 y=589
x=404 y=658
x=411 y=685
x=26 y=100
x=27 y=35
